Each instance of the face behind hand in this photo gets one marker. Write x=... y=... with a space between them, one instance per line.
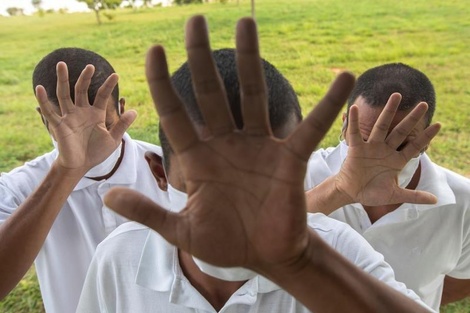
x=368 y=116
x=111 y=115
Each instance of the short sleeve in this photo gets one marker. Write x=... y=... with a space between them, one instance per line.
x=357 y=250
x=19 y=183
x=462 y=268
x=317 y=169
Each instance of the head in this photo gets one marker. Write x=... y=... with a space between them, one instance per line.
x=376 y=85
x=283 y=106
x=76 y=59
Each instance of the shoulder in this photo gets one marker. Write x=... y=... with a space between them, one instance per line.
x=456 y=181
x=322 y=164
x=24 y=179
x=331 y=230
x=126 y=240
x=142 y=146
x=345 y=240
x=459 y=184
x=39 y=165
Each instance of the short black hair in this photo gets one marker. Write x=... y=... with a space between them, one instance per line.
x=377 y=84
x=76 y=59
x=283 y=104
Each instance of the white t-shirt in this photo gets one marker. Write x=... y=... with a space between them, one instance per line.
x=136 y=270
x=422 y=243
x=82 y=223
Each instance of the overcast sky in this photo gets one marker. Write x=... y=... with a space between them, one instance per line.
x=71 y=5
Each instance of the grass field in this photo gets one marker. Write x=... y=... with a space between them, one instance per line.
x=308 y=40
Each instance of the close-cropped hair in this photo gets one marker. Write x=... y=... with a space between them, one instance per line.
x=377 y=84
x=283 y=105
x=76 y=59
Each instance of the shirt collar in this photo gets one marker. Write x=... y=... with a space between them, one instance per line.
x=126 y=173
x=159 y=267
x=434 y=180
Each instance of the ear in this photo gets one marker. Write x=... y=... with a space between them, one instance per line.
x=38 y=109
x=122 y=104
x=155 y=163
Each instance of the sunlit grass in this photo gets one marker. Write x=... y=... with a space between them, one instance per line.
x=308 y=40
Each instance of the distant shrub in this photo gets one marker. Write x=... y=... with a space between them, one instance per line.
x=13 y=11
x=181 y=2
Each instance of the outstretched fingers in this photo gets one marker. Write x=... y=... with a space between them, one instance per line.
x=104 y=92
x=353 y=131
x=253 y=89
x=81 y=87
x=314 y=127
x=63 y=88
x=208 y=86
x=400 y=132
x=421 y=142
x=125 y=120
x=137 y=207
x=382 y=125
x=47 y=111
x=173 y=117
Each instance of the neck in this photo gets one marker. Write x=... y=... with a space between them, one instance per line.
x=215 y=291
x=376 y=212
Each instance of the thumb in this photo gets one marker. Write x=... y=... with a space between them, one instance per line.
x=137 y=207
x=125 y=120
x=416 y=197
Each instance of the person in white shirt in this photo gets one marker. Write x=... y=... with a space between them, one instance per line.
x=51 y=208
x=427 y=245
x=236 y=192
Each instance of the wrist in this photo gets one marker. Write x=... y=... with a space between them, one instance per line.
x=328 y=196
x=68 y=173
x=310 y=260
x=340 y=195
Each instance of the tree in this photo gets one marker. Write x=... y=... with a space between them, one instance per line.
x=98 y=5
x=37 y=4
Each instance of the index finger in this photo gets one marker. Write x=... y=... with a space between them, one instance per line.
x=254 y=98
x=313 y=128
x=207 y=84
x=63 y=88
x=382 y=125
x=81 y=87
x=173 y=117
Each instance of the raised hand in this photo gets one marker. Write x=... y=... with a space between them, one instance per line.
x=79 y=128
x=369 y=172
x=246 y=202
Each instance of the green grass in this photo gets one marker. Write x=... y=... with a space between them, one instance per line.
x=308 y=40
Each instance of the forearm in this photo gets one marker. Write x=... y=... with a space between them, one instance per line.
x=326 y=197
x=324 y=281
x=23 y=233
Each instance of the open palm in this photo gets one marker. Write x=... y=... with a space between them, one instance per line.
x=79 y=128
x=246 y=203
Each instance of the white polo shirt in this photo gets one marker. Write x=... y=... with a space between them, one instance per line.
x=422 y=243
x=136 y=270
x=82 y=223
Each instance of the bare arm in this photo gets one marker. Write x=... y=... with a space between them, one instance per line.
x=455 y=290
x=83 y=142
x=24 y=232
x=369 y=172
x=246 y=188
